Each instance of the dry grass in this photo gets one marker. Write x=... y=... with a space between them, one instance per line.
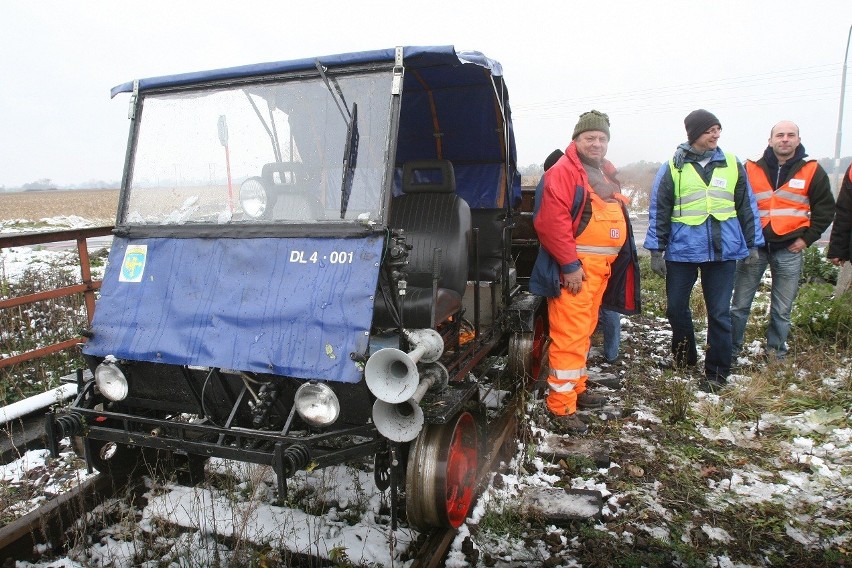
x=93 y=204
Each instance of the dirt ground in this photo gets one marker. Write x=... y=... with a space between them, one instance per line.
x=93 y=204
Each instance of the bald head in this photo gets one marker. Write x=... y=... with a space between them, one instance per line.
x=784 y=139
x=785 y=125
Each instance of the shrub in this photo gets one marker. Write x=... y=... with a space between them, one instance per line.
x=35 y=325
x=819 y=312
x=816 y=268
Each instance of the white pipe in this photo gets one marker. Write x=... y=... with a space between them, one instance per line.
x=38 y=402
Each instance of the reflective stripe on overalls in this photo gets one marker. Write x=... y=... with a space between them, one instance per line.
x=696 y=200
x=788 y=207
x=573 y=317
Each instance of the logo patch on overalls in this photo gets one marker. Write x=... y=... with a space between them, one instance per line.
x=134 y=263
x=614 y=233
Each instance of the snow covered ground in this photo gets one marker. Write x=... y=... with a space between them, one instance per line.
x=730 y=480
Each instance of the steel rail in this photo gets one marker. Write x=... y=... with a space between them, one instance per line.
x=48 y=522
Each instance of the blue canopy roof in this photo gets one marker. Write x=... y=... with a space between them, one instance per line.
x=413 y=56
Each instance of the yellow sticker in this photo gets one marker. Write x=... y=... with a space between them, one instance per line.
x=133 y=266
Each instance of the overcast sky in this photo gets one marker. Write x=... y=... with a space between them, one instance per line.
x=646 y=63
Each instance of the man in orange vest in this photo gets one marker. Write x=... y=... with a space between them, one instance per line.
x=583 y=228
x=796 y=205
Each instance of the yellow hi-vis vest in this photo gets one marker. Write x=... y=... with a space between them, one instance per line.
x=696 y=200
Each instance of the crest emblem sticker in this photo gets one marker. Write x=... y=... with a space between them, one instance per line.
x=133 y=265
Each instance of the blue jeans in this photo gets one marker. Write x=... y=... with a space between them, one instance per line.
x=786 y=269
x=610 y=323
x=717 y=283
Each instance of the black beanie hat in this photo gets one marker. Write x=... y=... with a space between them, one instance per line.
x=553 y=158
x=592 y=120
x=698 y=122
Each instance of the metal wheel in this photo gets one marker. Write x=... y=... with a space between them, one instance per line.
x=526 y=351
x=441 y=480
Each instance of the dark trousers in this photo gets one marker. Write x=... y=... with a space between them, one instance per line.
x=717 y=283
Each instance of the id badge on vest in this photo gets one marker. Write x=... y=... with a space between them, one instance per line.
x=721 y=183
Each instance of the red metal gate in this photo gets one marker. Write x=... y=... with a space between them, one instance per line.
x=87 y=285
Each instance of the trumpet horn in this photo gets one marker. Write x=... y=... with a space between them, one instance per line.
x=392 y=375
x=402 y=421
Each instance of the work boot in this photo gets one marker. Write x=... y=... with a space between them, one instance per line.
x=587 y=400
x=571 y=424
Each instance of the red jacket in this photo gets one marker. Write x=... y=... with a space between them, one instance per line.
x=553 y=221
x=561 y=224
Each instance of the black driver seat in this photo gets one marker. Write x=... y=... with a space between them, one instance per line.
x=432 y=218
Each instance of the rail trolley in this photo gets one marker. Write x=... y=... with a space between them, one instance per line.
x=314 y=263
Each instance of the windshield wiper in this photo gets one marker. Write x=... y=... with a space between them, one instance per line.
x=350 y=157
x=350 y=150
x=335 y=95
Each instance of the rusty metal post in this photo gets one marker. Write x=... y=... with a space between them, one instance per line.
x=86 y=275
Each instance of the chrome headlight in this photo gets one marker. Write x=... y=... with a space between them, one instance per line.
x=253 y=197
x=111 y=381
x=317 y=404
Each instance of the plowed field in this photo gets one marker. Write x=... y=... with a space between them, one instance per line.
x=95 y=205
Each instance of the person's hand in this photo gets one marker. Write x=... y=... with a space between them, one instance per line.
x=798 y=245
x=573 y=281
x=658 y=263
x=836 y=261
x=753 y=256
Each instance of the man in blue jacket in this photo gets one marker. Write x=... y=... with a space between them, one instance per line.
x=702 y=218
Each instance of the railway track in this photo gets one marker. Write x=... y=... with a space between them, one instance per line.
x=48 y=523
x=47 y=526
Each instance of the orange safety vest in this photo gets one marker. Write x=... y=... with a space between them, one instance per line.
x=606 y=231
x=788 y=207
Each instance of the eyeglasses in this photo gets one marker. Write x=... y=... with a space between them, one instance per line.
x=714 y=130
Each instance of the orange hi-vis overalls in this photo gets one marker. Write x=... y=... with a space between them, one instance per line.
x=573 y=317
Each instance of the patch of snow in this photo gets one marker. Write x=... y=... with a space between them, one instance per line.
x=716 y=533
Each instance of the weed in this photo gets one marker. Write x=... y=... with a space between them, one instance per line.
x=676 y=396
x=819 y=313
x=817 y=268
x=505 y=520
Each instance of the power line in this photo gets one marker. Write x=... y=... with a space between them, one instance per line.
x=632 y=108
x=761 y=80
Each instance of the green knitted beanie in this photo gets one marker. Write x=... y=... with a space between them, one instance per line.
x=592 y=120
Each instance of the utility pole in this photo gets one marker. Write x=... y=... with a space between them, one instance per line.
x=837 y=171
x=845 y=276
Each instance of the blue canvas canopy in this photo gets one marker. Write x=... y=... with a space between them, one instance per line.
x=449 y=110
x=212 y=302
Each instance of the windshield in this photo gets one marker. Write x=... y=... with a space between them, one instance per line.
x=307 y=150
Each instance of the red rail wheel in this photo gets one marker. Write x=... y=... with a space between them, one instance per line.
x=443 y=469
x=526 y=351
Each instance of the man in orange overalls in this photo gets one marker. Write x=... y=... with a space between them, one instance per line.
x=582 y=225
